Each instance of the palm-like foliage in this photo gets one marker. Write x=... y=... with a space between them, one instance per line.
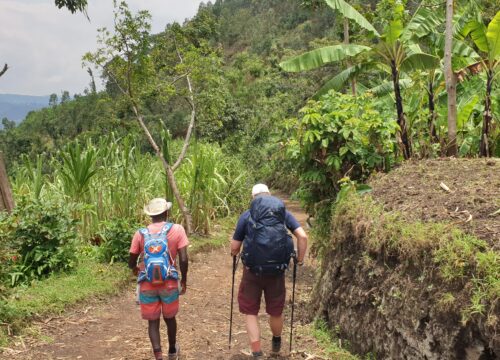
x=77 y=170
x=395 y=49
x=487 y=40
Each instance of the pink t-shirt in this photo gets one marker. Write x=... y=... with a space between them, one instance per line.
x=177 y=239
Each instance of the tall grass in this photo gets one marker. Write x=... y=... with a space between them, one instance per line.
x=113 y=179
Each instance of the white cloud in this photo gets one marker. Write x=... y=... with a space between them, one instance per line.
x=43 y=45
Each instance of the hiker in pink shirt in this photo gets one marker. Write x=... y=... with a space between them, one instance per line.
x=157 y=247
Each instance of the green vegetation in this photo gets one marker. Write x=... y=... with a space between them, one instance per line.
x=333 y=347
x=40 y=237
x=199 y=111
x=94 y=194
x=338 y=135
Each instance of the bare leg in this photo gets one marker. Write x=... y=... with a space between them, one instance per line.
x=172 y=334
x=154 y=336
x=253 y=332
x=276 y=323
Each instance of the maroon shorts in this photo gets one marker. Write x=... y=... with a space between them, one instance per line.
x=250 y=293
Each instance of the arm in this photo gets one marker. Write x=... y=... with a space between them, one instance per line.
x=132 y=263
x=239 y=234
x=301 y=236
x=183 y=265
x=135 y=251
x=235 y=247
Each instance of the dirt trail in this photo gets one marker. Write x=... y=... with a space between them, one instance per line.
x=114 y=329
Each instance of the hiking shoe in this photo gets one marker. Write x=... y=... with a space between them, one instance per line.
x=258 y=355
x=176 y=354
x=276 y=345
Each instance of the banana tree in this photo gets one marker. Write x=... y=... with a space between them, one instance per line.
x=395 y=50
x=462 y=56
x=487 y=40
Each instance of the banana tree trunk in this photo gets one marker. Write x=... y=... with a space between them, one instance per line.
x=484 y=148
x=432 y=115
x=451 y=82
x=346 y=41
x=405 y=140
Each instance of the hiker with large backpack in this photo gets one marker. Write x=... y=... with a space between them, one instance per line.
x=156 y=247
x=266 y=249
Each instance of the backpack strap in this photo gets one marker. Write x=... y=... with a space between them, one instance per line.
x=145 y=233
x=166 y=228
x=164 y=231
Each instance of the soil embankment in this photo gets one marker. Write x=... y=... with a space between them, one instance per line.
x=412 y=270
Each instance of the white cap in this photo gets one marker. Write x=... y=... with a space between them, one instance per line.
x=259 y=189
x=157 y=206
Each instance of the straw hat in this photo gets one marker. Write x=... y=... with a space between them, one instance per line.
x=259 y=189
x=157 y=206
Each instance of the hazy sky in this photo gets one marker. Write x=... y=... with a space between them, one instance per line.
x=43 y=45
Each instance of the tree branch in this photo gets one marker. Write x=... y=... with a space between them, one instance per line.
x=190 y=100
x=5 y=68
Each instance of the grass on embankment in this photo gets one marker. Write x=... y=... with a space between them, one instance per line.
x=89 y=280
x=331 y=344
x=459 y=257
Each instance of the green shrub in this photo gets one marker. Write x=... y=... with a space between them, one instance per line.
x=337 y=136
x=43 y=235
x=116 y=237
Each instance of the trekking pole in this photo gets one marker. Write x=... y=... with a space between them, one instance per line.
x=293 y=298
x=235 y=263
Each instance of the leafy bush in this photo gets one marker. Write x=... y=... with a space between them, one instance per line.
x=43 y=235
x=116 y=236
x=337 y=136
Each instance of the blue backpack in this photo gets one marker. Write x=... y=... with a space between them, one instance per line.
x=267 y=247
x=158 y=264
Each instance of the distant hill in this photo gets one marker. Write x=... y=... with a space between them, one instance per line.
x=15 y=107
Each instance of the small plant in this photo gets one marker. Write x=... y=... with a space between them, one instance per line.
x=43 y=235
x=330 y=342
x=446 y=301
x=116 y=236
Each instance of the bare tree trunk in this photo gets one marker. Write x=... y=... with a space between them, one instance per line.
x=5 y=68
x=405 y=140
x=170 y=174
x=484 y=148
x=451 y=82
x=6 y=199
x=346 y=41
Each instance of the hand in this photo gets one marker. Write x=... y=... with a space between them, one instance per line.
x=183 y=287
x=235 y=252
x=135 y=270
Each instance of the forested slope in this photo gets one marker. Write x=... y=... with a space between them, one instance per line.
x=241 y=96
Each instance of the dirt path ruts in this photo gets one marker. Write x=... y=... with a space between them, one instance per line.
x=115 y=330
